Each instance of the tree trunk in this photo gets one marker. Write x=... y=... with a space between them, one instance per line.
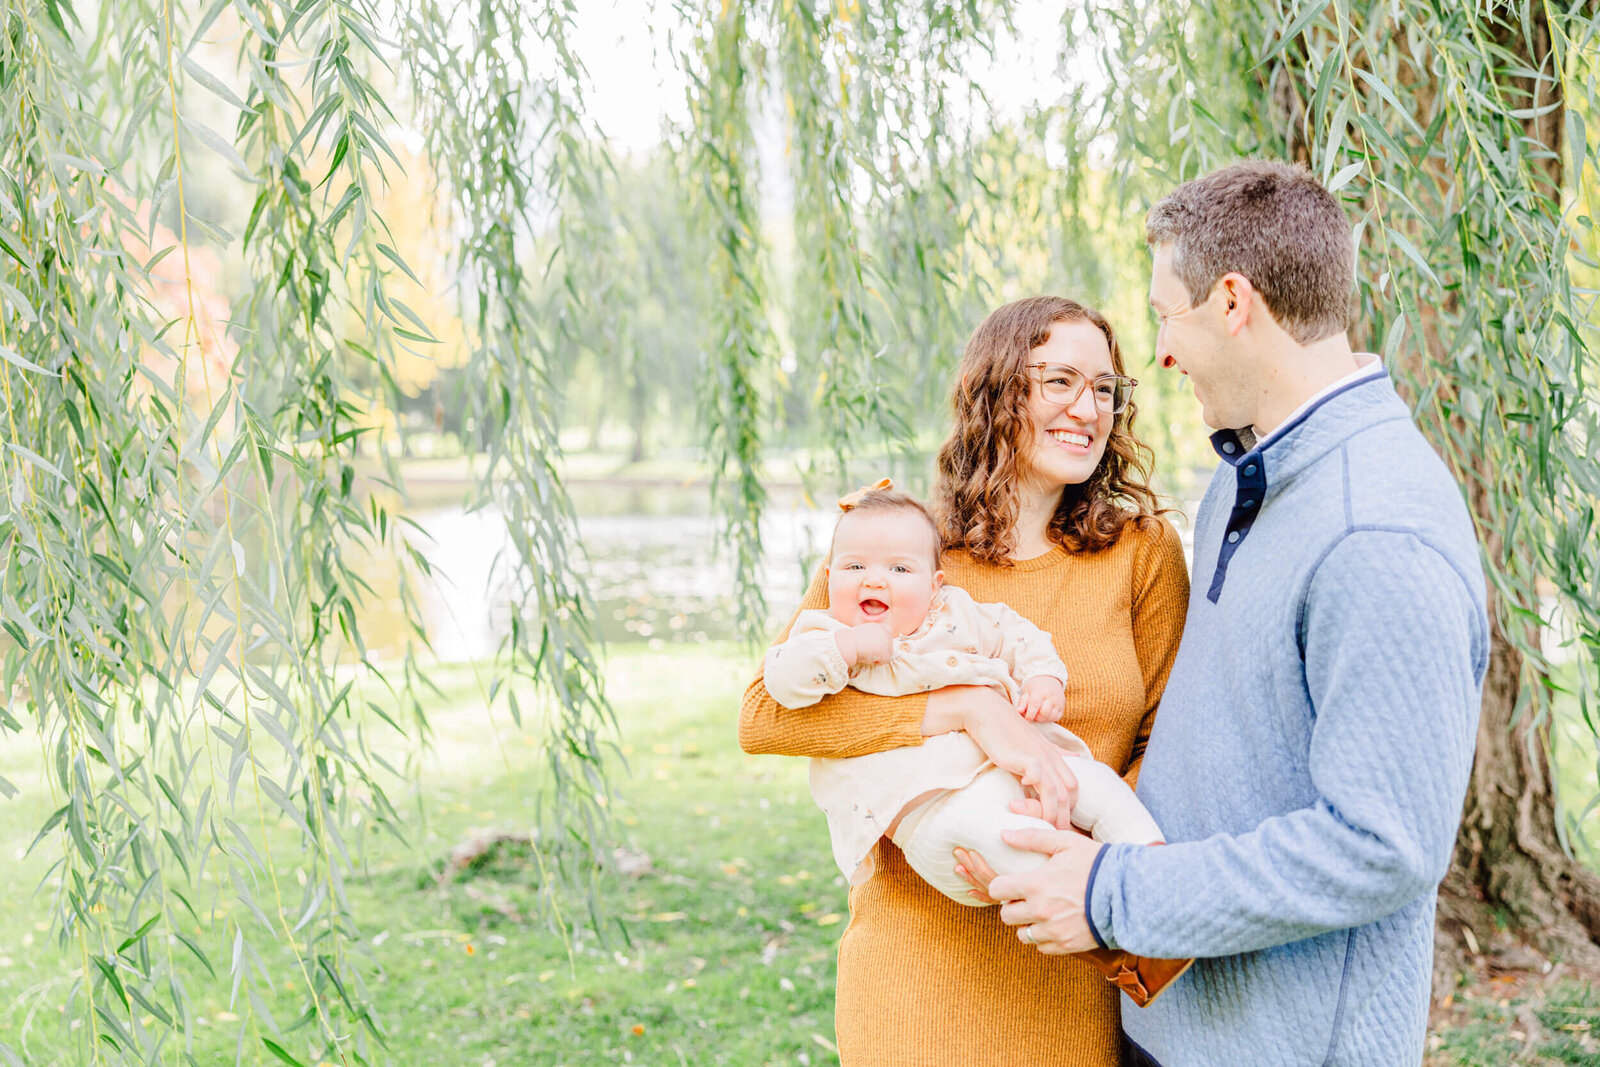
x=639 y=409
x=1508 y=862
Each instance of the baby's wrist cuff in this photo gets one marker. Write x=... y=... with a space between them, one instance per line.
x=837 y=667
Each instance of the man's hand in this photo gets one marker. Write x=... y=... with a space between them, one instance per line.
x=1046 y=905
x=976 y=870
x=868 y=643
x=1042 y=699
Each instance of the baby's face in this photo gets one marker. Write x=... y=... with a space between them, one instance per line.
x=882 y=570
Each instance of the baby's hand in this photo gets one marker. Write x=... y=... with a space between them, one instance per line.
x=870 y=642
x=1042 y=699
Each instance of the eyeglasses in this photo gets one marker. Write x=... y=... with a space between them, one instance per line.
x=1061 y=384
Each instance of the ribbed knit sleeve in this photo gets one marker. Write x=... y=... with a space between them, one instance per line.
x=849 y=723
x=1160 y=602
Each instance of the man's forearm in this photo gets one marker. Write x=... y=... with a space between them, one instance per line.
x=1294 y=876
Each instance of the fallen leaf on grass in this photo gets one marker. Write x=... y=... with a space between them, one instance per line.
x=631 y=862
x=638 y=1029
x=669 y=916
x=825 y=1043
x=828 y=919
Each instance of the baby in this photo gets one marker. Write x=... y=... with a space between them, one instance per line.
x=893 y=627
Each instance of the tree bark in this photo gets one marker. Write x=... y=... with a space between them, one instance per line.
x=1508 y=862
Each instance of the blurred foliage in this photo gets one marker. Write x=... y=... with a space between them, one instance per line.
x=238 y=240
x=1459 y=137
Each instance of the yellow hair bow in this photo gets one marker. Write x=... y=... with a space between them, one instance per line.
x=850 y=500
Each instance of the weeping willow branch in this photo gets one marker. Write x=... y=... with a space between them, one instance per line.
x=833 y=327
x=513 y=159
x=739 y=346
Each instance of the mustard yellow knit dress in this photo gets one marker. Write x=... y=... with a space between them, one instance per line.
x=923 y=980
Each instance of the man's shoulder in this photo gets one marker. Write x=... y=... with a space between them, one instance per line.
x=1393 y=479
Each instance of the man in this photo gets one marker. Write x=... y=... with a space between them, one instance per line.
x=1311 y=754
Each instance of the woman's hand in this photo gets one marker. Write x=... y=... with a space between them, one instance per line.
x=1010 y=742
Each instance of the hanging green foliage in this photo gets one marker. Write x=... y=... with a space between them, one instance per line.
x=188 y=491
x=205 y=316
x=511 y=149
x=1457 y=135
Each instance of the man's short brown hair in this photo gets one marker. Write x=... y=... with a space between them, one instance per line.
x=1273 y=223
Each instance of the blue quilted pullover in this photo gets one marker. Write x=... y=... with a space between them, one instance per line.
x=1311 y=754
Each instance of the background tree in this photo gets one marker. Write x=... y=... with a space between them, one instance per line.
x=210 y=316
x=1456 y=134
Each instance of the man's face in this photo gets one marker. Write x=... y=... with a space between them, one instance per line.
x=1193 y=337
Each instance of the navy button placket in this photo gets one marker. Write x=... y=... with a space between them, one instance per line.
x=1250 y=488
x=1250 y=472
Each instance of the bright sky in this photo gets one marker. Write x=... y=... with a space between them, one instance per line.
x=626 y=46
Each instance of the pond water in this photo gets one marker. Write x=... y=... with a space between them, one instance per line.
x=651 y=558
x=649 y=555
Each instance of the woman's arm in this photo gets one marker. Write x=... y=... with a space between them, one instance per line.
x=1160 y=603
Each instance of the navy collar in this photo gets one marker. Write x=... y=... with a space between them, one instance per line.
x=1234 y=445
x=1291 y=448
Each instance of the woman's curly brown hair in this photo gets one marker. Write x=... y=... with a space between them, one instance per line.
x=980 y=463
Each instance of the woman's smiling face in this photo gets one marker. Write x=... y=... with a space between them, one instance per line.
x=1067 y=440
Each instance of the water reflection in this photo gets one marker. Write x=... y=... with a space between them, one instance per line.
x=650 y=558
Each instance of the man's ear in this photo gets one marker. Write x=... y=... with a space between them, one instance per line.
x=1239 y=301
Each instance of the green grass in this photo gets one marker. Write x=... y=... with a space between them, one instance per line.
x=720 y=952
x=1504 y=1020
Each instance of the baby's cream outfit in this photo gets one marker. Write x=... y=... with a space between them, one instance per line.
x=944 y=793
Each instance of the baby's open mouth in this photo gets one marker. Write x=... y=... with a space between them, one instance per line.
x=873 y=607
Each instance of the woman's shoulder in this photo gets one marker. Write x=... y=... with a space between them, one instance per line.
x=1150 y=542
x=1143 y=538
x=1151 y=532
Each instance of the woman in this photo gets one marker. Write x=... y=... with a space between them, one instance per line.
x=1043 y=505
